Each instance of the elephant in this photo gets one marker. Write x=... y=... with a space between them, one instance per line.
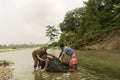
x=54 y=65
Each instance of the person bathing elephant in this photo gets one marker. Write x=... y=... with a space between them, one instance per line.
x=48 y=62
x=72 y=61
x=37 y=57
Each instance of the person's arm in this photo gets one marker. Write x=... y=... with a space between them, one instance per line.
x=40 y=58
x=48 y=56
x=61 y=57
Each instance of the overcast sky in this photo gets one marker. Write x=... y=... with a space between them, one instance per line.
x=25 y=21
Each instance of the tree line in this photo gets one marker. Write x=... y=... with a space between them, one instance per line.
x=15 y=46
x=95 y=16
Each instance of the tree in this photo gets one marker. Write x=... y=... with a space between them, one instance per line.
x=102 y=14
x=96 y=16
x=72 y=20
x=52 y=32
x=116 y=19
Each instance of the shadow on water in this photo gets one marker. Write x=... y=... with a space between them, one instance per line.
x=55 y=76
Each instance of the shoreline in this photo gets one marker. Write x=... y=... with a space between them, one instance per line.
x=5 y=70
x=10 y=49
x=6 y=50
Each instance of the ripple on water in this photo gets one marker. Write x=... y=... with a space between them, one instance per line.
x=45 y=75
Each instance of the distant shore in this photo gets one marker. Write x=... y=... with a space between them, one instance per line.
x=6 y=50
x=10 y=49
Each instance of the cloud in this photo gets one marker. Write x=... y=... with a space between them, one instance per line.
x=25 y=21
x=41 y=11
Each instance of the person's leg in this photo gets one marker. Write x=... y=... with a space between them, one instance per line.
x=46 y=65
x=73 y=61
x=42 y=66
x=39 y=64
x=35 y=63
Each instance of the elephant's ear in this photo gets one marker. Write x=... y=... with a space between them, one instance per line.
x=44 y=57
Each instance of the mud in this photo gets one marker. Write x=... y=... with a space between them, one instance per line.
x=6 y=70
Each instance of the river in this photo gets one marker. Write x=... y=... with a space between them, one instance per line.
x=23 y=63
x=23 y=68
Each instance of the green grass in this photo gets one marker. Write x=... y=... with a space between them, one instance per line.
x=6 y=50
x=103 y=62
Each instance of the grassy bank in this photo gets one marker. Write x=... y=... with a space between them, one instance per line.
x=6 y=50
x=10 y=49
x=102 y=62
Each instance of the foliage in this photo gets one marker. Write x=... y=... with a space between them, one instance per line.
x=53 y=44
x=52 y=32
x=72 y=20
x=14 y=46
x=96 y=16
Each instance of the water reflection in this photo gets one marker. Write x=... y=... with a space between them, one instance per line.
x=22 y=63
x=55 y=76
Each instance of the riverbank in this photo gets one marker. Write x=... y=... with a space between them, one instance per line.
x=100 y=63
x=102 y=40
x=6 y=50
x=5 y=70
x=10 y=49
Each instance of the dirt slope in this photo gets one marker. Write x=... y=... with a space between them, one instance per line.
x=104 y=40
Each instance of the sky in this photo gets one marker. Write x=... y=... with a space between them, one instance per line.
x=25 y=21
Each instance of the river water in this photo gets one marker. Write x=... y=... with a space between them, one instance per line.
x=23 y=68
x=23 y=63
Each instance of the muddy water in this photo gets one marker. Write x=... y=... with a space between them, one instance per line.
x=23 y=68
x=23 y=63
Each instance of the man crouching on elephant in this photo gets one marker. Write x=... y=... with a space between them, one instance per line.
x=37 y=57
